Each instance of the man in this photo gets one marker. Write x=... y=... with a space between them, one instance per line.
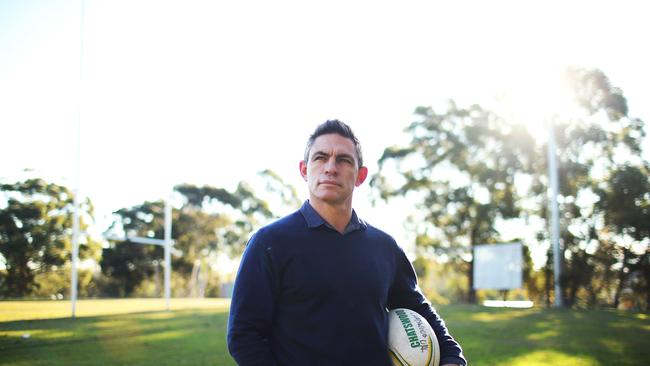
x=314 y=287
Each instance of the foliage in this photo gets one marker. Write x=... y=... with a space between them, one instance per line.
x=55 y=284
x=463 y=164
x=209 y=221
x=473 y=173
x=35 y=231
x=441 y=283
x=624 y=202
x=603 y=192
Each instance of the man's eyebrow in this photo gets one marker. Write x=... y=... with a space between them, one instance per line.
x=345 y=155
x=340 y=155
x=318 y=153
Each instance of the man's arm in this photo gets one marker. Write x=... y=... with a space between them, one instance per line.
x=252 y=306
x=405 y=293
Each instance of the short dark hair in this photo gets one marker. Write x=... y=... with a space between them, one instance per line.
x=339 y=128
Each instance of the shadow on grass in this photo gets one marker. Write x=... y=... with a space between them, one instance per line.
x=198 y=337
x=492 y=336
x=184 y=337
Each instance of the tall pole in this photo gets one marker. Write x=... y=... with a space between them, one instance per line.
x=75 y=217
x=75 y=238
x=555 y=221
x=168 y=245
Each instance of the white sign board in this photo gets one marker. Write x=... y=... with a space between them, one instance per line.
x=498 y=266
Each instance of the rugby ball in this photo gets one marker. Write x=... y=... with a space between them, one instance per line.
x=411 y=340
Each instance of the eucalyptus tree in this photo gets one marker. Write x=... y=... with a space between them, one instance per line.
x=624 y=202
x=208 y=221
x=125 y=264
x=461 y=166
x=469 y=170
x=35 y=232
x=598 y=149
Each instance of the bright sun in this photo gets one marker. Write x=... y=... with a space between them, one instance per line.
x=533 y=99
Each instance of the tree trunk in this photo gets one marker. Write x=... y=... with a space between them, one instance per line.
x=622 y=276
x=572 y=293
x=547 y=279
x=471 y=293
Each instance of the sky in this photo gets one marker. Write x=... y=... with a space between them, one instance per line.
x=211 y=92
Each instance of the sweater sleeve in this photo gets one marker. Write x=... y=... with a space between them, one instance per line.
x=252 y=307
x=405 y=293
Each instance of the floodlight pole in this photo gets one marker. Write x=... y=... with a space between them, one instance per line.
x=555 y=221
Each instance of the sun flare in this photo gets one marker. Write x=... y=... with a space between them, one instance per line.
x=534 y=98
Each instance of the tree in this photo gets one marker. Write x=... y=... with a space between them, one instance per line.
x=466 y=167
x=128 y=265
x=35 y=232
x=624 y=200
x=591 y=144
x=462 y=164
x=209 y=221
x=286 y=196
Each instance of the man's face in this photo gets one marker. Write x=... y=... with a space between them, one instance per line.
x=332 y=170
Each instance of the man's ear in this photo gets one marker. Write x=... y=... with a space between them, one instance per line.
x=363 y=174
x=303 y=169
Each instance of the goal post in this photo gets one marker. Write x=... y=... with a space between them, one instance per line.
x=166 y=243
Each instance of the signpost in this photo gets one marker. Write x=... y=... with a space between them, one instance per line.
x=498 y=266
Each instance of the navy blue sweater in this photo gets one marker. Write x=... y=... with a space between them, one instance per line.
x=306 y=294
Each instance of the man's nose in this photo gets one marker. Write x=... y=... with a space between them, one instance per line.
x=330 y=165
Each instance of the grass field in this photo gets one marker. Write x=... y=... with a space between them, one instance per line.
x=137 y=332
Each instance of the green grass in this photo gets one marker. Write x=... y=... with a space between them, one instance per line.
x=133 y=332
x=532 y=337
x=136 y=332
x=26 y=310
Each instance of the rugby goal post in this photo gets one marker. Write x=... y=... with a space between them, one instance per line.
x=167 y=243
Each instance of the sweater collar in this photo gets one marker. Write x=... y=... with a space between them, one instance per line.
x=314 y=220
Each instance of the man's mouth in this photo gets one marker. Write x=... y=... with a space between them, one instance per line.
x=329 y=182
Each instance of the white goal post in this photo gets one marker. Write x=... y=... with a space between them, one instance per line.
x=167 y=243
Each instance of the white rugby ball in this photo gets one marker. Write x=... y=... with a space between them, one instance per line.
x=411 y=340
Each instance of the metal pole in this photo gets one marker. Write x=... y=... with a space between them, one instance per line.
x=555 y=222
x=168 y=244
x=75 y=245
x=75 y=217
